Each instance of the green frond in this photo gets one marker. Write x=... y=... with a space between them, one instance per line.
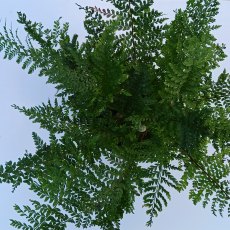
x=156 y=195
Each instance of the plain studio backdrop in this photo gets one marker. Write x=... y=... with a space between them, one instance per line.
x=17 y=87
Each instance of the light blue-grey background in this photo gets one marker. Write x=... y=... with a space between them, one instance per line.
x=17 y=87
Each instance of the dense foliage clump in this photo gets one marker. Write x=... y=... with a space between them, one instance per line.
x=136 y=102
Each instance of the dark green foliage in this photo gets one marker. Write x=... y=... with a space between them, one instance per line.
x=136 y=103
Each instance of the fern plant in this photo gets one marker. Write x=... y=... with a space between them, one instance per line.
x=136 y=107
